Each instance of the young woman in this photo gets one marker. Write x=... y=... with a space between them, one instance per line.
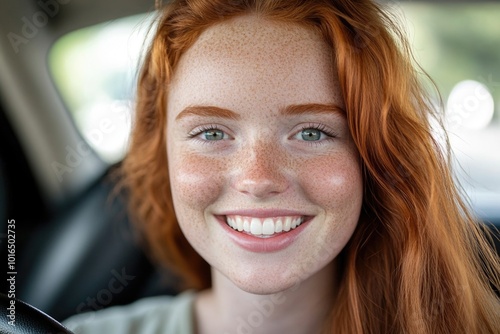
x=283 y=164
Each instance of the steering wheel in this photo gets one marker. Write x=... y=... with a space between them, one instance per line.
x=26 y=318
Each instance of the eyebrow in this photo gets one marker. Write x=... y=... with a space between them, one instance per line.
x=291 y=110
x=208 y=111
x=312 y=108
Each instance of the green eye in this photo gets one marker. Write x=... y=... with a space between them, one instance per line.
x=213 y=134
x=311 y=134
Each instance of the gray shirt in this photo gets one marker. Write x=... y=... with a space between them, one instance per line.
x=154 y=315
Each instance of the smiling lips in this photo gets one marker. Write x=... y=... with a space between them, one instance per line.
x=263 y=227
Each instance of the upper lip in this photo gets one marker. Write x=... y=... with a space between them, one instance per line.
x=262 y=213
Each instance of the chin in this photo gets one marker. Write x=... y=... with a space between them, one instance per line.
x=265 y=289
x=261 y=282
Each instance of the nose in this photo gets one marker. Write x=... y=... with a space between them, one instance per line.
x=260 y=171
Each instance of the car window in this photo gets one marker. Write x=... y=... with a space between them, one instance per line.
x=95 y=70
x=457 y=44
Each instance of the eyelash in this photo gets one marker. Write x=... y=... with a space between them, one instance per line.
x=329 y=134
x=198 y=131
x=320 y=127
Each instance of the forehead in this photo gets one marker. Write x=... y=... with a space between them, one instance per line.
x=259 y=37
x=275 y=58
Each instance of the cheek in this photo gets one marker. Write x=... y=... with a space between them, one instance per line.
x=196 y=181
x=334 y=183
x=337 y=171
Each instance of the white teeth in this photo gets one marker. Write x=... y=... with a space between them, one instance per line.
x=296 y=222
x=278 y=226
x=288 y=222
x=239 y=223
x=256 y=226
x=246 y=226
x=268 y=227
x=264 y=227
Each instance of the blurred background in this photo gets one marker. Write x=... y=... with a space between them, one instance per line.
x=67 y=84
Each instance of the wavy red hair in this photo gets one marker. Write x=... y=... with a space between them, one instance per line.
x=417 y=262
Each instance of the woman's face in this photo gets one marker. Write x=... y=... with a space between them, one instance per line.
x=256 y=139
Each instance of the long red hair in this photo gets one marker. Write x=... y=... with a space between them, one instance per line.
x=417 y=262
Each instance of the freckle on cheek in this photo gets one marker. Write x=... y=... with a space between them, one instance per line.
x=332 y=174
x=196 y=180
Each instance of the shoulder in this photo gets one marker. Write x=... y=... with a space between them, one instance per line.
x=165 y=314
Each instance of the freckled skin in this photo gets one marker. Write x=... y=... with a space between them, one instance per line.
x=254 y=67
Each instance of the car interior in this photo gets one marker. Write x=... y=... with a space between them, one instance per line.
x=67 y=70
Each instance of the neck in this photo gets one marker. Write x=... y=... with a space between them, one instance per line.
x=302 y=308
